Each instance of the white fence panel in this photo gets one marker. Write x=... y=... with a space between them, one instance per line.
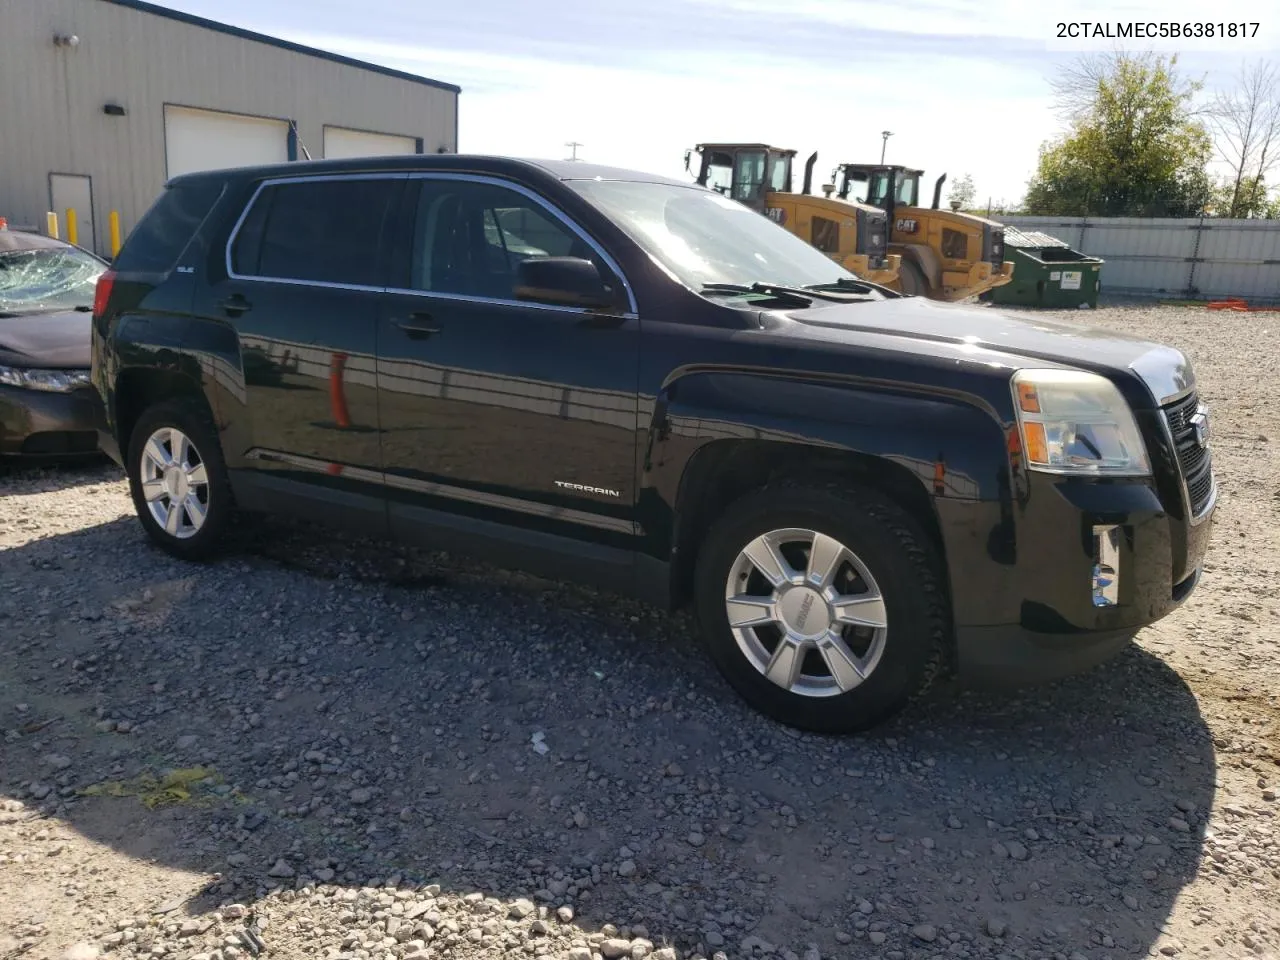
x=1205 y=258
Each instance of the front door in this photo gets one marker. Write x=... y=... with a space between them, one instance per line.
x=495 y=408
x=302 y=293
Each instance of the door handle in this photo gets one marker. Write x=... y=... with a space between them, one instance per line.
x=235 y=305
x=418 y=326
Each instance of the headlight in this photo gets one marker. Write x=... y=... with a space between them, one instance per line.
x=51 y=381
x=1073 y=422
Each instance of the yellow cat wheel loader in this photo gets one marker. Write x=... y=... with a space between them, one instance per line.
x=946 y=254
x=854 y=235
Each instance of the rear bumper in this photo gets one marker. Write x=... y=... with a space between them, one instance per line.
x=40 y=424
x=1061 y=582
x=976 y=280
x=885 y=274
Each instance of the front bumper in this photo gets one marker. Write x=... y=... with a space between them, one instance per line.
x=40 y=424
x=1063 y=578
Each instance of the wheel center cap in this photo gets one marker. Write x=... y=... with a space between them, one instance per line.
x=804 y=612
x=175 y=483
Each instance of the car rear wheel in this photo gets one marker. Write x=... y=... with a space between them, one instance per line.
x=178 y=480
x=821 y=606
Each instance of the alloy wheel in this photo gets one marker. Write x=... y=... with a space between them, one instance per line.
x=806 y=612
x=175 y=483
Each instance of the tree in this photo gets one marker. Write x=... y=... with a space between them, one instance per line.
x=1241 y=198
x=1135 y=144
x=1246 y=124
x=963 y=191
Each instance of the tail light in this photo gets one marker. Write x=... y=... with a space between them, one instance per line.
x=102 y=293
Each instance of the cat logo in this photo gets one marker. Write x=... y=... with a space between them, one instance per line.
x=905 y=226
x=776 y=214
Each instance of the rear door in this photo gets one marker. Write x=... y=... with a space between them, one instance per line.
x=300 y=284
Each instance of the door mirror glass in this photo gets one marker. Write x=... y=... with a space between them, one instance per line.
x=564 y=281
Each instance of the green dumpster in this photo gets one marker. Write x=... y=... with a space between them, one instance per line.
x=1047 y=273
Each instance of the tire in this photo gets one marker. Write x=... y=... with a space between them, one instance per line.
x=890 y=557
x=911 y=280
x=192 y=541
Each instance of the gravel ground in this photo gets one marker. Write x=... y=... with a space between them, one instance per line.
x=347 y=750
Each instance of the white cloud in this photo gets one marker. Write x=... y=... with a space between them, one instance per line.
x=979 y=107
x=646 y=119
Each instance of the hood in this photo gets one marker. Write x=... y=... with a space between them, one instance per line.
x=46 y=340
x=1166 y=372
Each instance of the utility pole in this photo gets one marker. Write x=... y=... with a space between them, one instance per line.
x=884 y=144
x=573 y=145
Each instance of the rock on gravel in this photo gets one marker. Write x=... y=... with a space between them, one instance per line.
x=925 y=931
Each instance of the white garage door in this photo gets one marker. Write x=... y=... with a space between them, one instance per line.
x=211 y=140
x=341 y=142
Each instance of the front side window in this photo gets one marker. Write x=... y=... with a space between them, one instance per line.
x=748 y=175
x=720 y=172
x=856 y=187
x=326 y=231
x=780 y=174
x=908 y=190
x=469 y=238
x=704 y=238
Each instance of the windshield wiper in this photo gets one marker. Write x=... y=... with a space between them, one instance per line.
x=802 y=296
x=796 y=296
x=855 y=285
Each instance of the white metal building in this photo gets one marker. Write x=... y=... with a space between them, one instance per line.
x=101 y=101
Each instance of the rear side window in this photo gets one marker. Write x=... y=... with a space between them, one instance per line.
x=326 y=231
x=164 y=231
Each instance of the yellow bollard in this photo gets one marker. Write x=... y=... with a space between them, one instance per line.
x=51 y=224
x=73 y=232
x=113 y=221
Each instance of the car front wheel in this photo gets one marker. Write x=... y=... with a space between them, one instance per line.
x=178 y=480
x=821 y=606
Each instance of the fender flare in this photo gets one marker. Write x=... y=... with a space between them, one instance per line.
x=941 y=445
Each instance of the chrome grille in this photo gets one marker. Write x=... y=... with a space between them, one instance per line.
x=1194 y=460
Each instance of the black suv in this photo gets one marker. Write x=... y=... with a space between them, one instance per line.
x=612 y=377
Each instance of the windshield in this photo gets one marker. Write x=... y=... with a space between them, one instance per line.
x=38 y=281
x=704 y=238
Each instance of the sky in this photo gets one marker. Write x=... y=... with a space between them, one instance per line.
x=963 y=85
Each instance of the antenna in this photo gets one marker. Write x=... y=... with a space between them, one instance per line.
x=573 y=145
x=297 y=136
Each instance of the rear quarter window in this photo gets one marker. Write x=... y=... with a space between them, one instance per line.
x=164 y=231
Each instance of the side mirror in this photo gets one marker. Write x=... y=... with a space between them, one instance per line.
x=563 y=281
x=688 y=157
